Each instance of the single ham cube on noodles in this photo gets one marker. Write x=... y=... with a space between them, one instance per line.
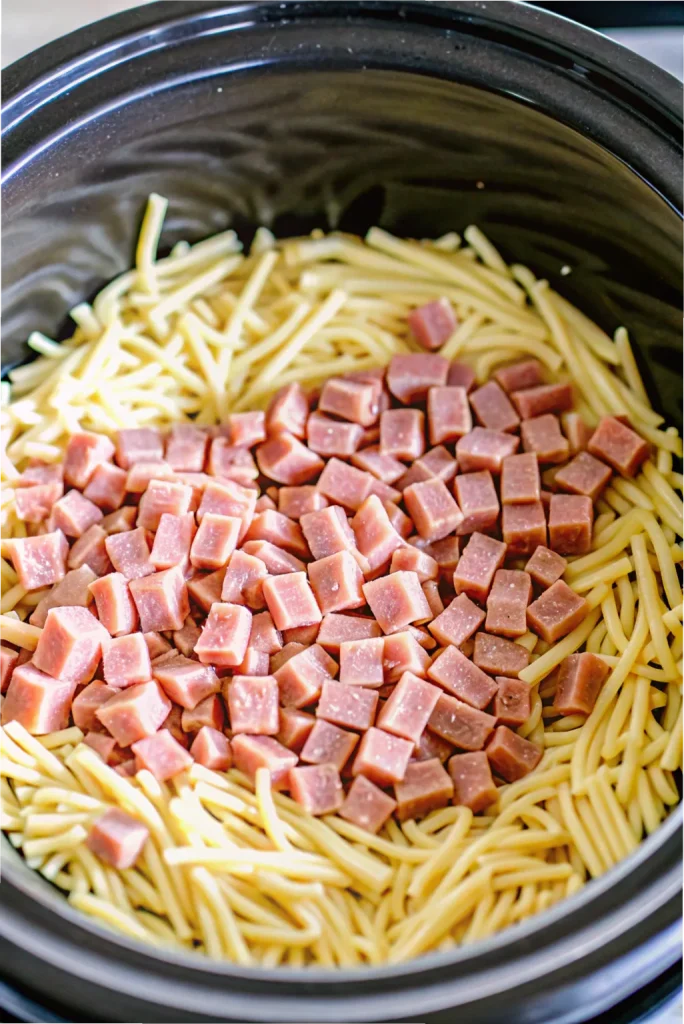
x=579 y=683
x=473 y=783
x=402 y=653
x=117 y=838
x=163 y=496
x=253 y=752
x=301 y=676
x=83 y=454
x=37 y=701
x=375 y=536
x=295 y=727
x=328 y=437
x=425 y=787
x=247 y=428
x=433 y=323
x=88 y=701
x=520 y=482
x=584 y=475
x=556 y=612
x=318 y=788
x=90 y=549
x=507 y=603
x=542 y=399
x=215 y=541
x=510 y=755
x=571 y=523
x=366 y=805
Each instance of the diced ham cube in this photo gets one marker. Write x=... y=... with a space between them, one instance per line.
x=445 y=552
x=242 y=570
x=507 y=603
x=83 y=453
x=161 y=599
x=317 y=788
x=542 y=435
x=39 y=473
x=247 y=428
x=335 y=629
x=542 y=399
x=425 y=787
x=431 y=745
x=353 y=400
x=253 y=705
x=287 y=411
x=117 y=838
x=253 y=752
x=520 y=483
x=126 y=661
x=328 y=531
x=173 y=540
x=402 y=653
x=212 y=749
x=476 y=567
x=499 y=657
x=344 y=485
x=90 y=549
x=115 y=606
x=73 y=590
x=328 y=744
x=225 y=635
x=130 y=553
x=375 y=536
x=484 y=449
x=209 y=712
x=228 y=498
x=331 y=437
x=510 y=755
x=279 y=530
x=433 y=323
x=493 y=409
x=37 y=701
x=473 y=783
x=366 y=805
x=134 y=713
x=461 y=725
x=205 y=588
x=162 y=755
x=295 y=727
x=70 y=646
x=432 y=509
x=512 y=703
x=402 y=433
x=362 y=662
x=185 y=681
x=382 y=758
x=121 y=520
x=231 y=462
x=437 y=462
x=580 y=679
x=87 y=702
x=337 y=582
x=103 y=745
x=286 y=460
x=517 y=376
x=141 y=475
x=576 y=431
x=8 y=660
x=478 y=501
x=460 y=677
x=277 y=561
x=523 y=527
x=407 y=710
x=138 y=444
x=350 y=707
x=545 y=567
x=163 y=496
x=295 y=502
x=263 y=635
x=409 y=377
x=39 y=561
x=106 y=487
x=457 y=622
x=449 y=416
x=571 y=522
x=461 y=375
x=584 y=475
x=186 y=448
x=302 y=675
x=399 y=520
x=34 y=504
x=556 y=613
x=410 y=559
x=291 y=601
x=397 y=600
x=215 y=541
x=254 y=663
x=383 y=467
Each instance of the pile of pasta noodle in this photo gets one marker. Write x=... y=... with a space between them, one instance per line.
x=232 y=869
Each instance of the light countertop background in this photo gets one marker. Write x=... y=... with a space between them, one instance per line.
x=26 y=25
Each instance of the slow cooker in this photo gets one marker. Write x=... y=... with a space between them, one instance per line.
x=422 y=118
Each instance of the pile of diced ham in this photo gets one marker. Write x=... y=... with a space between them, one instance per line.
x=331 y=589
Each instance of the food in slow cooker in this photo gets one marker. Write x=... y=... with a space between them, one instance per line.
x=387 y=526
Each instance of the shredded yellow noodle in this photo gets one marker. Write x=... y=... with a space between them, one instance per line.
x=243 y=874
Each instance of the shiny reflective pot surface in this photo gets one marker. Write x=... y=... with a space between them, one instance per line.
x=423 y=118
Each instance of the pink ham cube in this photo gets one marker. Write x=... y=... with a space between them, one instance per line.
x=73 y=514
x=263 y=635
x=140 y=476
x=520 y=483
x=205 y=588
x=87 y=702
x=618 y=445
x=376 y=538
x=107 y=487
x=295 y=502
x=507 y=603
x=402 y=433
x=247 y=428
x=328 y=744
x=402 y=653
x=134 y=713
x=186 y=448
x=545 y=567
x=493 y=408
x=302 y=675
x=408 y=708
x=83 y=454
x=350 y=707
x=8 y=660
x=433 y=323
x=276 y=528
x=524 y=374
x=130 y=553
x=275 y=559
x=37 y=701
x=225 y=635
x=209 y=712
x=215 y=541
x=478 y=501
x=70 y=646
x=353 y=400
x=457 y=622
x=162 y=755
x=331 y=437
x=461 y=725
x=318 y=788
x=571 y=522
x=161 y=599
x=475 y=571
x=382 y=758
x=473 y=783
x=397 y=600
x=39 y=561
x=242 y=570
x=163 y=496
x=426 y=786
x=185 y=681
x=138 y=444
x=126 y=660
x=366 y=805
x=542 y=435
x=542 y=399
x=291 y=601
x=115 y=607
x=253 y=705
x=212 y=749
x=117 y=838
x=383 y=467
x=336 y=582
x=90 y=549
x=523 y=527
x=34 y=504
x=556 y=612
x=460 y=677
x=344 y=485
x=172 y=541
x=295 y=727
x=361 y=662
x=288 y=411
x=484 y=449
x=410 y=559
x=253 y=752
x=432 y=509
x=286 y=460
x=228 y=498
x=335 y=629
x=73 y=590
x=410 y=377
x=327 y=532
x=449 y=416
